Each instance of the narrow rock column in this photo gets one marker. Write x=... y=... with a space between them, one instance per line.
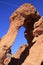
x=9 y=38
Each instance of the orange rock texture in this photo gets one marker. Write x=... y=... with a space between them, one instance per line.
x=32 y=53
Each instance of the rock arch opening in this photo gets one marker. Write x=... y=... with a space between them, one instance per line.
x=25 y=16
x=20 y=39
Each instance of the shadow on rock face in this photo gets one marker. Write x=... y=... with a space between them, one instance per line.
x=19 y=61
x=13 y=61
x=42 y=63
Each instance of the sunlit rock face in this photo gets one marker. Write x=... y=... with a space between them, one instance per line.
x=35 y=56
x=38 y=27
x=32 y=53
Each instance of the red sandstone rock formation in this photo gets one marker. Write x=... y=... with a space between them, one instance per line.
x=38 y=27
x=21 y=49
x=35 y=56
x=31 y=54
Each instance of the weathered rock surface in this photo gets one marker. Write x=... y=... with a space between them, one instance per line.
x=31 y=54
x=38 y=27
x=20 y=51
x=35 y=56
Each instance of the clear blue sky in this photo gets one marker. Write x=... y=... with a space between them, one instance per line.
x=6 y=9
